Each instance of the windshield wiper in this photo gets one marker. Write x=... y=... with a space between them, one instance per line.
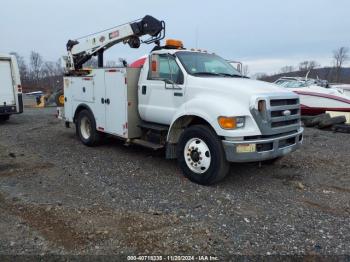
x=206 y=73
x=230 y=75
x=217 y=74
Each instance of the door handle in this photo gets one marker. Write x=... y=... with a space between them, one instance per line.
x=144 y=90
x=178 y=94
x=108 y=101
x=102 y=100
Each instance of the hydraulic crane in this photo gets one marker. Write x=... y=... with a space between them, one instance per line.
x=81 y=50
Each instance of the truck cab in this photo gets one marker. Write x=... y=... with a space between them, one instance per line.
x=10 y=87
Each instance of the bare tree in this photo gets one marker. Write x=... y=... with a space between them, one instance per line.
x=52 y=69
x=287 y=69
x=51 y=74
x=36 y=64
x=111 y=63
x=340 y=57
x=260 y=76
x=308 y=65
x=92 y=63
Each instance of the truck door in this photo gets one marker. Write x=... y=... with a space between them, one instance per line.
x=162 y=92
x=7 y=95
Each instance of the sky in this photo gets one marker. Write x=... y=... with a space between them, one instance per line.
x=263 y=34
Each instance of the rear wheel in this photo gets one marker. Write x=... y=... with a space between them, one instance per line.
x=86 y=128
x=201 y=155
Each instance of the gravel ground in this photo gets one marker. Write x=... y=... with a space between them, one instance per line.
x=59 y=197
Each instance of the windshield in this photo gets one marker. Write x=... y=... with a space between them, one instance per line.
x=203 y=64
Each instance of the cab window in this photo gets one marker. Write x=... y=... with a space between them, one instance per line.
x=165 y=67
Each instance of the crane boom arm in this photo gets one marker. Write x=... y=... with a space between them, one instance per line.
x=81 y=50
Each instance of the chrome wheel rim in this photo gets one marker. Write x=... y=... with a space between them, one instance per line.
x=197 y=155
x=85 y=127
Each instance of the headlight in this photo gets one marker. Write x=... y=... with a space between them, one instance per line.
x=231 y=122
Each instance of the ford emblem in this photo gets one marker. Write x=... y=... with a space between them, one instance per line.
x=287 y=113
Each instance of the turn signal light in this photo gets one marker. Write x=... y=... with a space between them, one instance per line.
x=227 y=122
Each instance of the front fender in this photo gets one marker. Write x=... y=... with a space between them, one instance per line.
x=210 y=108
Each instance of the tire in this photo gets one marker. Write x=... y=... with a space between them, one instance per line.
x=201 y=155
x=341 y=128
x=4 y=117
x=59 y=98
x=86 y=129
x=313 y=121
x=327 y=123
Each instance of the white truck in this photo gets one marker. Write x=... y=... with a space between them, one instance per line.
x=192 y=103
x=10 y=87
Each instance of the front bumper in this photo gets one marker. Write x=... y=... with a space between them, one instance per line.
x=266 y=149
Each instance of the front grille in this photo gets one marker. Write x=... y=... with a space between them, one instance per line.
x=283 y=102
x=280 y=113
x=284 y=123
x=284 y=112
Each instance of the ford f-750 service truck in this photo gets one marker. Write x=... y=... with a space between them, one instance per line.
x=192 y=103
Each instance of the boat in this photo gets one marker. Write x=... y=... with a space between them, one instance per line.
x=345 y=87
x=316 y=96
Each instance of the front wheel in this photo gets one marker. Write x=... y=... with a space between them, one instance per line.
x=201 y=155
x=86 y=128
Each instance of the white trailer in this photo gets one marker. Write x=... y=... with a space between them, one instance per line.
x=10 y=87
x=194 y=104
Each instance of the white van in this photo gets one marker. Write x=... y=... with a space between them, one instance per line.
x=10 y=87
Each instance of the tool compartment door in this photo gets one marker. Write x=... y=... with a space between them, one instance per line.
x=7 y=95
x=116 y=102
x=83 y=90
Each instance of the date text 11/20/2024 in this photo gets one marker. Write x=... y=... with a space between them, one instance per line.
x=172 y=258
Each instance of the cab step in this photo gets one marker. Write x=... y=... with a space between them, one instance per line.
x=147 y=144
x=154 y=127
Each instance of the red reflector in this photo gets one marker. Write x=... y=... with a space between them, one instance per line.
x=126 y=125
x=101 y=128
x=87 y=78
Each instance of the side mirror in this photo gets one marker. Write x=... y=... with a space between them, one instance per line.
x=169 y=82
x=240 y=68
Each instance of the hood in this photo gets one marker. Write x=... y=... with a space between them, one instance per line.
x=235 y=86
